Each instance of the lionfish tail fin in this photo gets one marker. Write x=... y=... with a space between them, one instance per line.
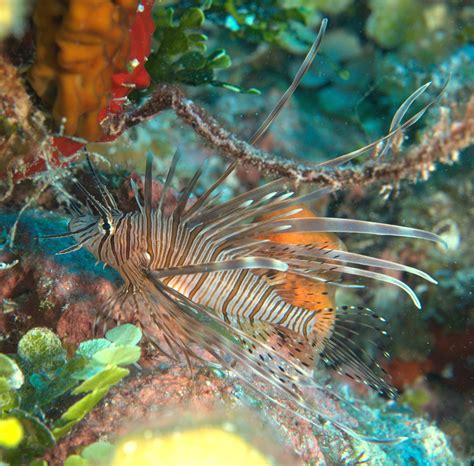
x=338 y=348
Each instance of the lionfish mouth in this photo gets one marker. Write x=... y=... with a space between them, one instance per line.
x=252 y=280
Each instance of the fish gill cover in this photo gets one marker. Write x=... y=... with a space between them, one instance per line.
x=243 y=291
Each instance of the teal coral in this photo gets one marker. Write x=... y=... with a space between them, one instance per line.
x=424 y=443
x=327 y=6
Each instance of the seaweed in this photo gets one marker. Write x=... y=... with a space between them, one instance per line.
x=179 y=52
x=44 y=392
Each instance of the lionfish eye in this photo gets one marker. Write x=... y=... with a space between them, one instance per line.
x=105 y=225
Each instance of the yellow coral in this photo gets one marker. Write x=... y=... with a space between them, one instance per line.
x=80 y=44
x=11 y=432
x=204 y=446
x=12 y=17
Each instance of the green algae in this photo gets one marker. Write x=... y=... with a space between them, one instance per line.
x=41 y=380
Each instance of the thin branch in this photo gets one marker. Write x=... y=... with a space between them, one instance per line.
x=440 y=144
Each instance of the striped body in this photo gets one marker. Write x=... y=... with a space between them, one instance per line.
x=233 y=295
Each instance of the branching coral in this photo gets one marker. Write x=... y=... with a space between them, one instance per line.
x=77 y=53
x=441 y=144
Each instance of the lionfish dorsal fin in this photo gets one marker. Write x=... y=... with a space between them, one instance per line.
x=105 y=194
x=303 y=69
x=148 y=184
x=168 y=179
x=136 y=195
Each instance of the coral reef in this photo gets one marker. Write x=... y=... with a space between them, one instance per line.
x=95 y=73
x=68 y=307
x=32 y=387
x=138 y=406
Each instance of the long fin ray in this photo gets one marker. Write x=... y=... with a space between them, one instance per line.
x=360 y=273
x=309 y=252
x=343 y=225
x=108 y=199
x=400 y=113
x=341 y=159
x=168 y=179
x=136 y=195
x=184 y=198
x=103 y=210
x=195 y=208
x=244 y=263
x=254 y=195
x=302 y=70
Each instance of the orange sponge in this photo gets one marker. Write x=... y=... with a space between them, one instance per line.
x=80 y=44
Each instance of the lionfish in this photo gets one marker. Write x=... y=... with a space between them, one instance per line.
x=250 y=280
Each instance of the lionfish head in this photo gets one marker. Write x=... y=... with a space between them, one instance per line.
x=91 y=225
x=92 y=221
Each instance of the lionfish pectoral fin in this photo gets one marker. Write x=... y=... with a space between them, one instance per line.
x=288 y=343
x=329 y=254
x=134 y=306
x=245 y=263
x=288 y=379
